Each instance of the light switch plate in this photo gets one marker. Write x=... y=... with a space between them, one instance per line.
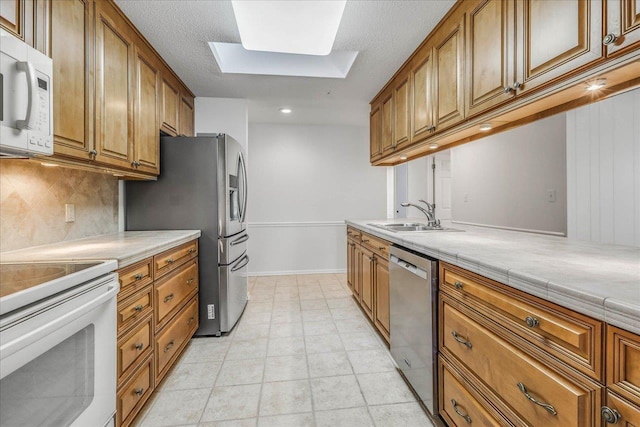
x=551 y=196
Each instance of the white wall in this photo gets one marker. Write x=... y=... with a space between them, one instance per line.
x=223 y=115
x=603 y=171
x=502 y=180
x=304 y=181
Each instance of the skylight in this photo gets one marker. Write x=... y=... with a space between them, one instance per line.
x=296 y=27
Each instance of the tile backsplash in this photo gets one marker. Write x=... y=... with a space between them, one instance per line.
x=33 y=198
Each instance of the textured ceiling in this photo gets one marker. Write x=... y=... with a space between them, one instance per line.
x=385 y=33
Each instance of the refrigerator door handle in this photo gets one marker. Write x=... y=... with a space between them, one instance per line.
x=245 y=190
x=240 y=263
x=242 y=239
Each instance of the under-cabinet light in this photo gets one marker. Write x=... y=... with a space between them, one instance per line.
x=433 y=145
x=49 y=165
x=596 y=84
x=403 y=158
x=485 y=127
x=303 y=27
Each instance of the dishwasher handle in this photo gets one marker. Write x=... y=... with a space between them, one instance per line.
x=409 y=267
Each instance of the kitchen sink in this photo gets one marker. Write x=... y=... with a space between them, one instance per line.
x=412 y=227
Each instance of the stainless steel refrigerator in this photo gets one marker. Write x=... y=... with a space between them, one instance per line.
x=202 y=185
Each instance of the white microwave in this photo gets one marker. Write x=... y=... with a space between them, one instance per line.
x=26 y=101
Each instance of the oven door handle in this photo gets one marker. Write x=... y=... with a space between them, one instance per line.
x=9 y=348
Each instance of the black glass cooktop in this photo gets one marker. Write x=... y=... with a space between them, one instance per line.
x=20 y=276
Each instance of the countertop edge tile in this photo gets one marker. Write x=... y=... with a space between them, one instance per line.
x=551 y=281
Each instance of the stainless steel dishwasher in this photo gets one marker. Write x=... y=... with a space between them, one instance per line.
x=413 y=290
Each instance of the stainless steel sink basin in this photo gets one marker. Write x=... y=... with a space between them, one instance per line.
x=411 y=227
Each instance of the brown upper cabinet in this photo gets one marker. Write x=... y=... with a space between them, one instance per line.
x=506 y=63
x=375 y=131
x=12 y=17
x=170 y=108
x=623 y=26
x=402 y=116
x=186 y=116
x=71 y=37
x=146 y=156
x=490 y=55
x=448 y=54
x=114 y=89
x=421 y=76
x=555 y=38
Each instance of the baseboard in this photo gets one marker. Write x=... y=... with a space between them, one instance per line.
x=293 y=272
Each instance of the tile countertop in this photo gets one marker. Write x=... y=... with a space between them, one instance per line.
x=601 y=281
x=126 y=248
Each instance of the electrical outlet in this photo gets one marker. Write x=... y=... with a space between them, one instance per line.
x=551 y=196
x=69 y=212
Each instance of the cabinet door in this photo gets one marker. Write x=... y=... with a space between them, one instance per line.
x=490 y=55
x=422 y=112
x=388 y=144
x=114 y=94
x=375 y=131
x=186 y=116
x=146 y=139
x=402 y=116
x=555 y=38
x=357 y=272
x=170 y=107
x=368 y=269
x=381 y=299
x=449 y=67
x=72 y=70
x=623 y=22
x=350 y=264
x=12 y=17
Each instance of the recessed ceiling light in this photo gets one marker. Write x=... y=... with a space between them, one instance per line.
x=596 y=84
x=433 y=145
x=285 y=110
x=305 y=27
x=485 y=127
x=49 y=165
x=403 y=158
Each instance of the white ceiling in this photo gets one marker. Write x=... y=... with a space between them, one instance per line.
x=385 y=32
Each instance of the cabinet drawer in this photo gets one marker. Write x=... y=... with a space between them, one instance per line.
x=623 y=363
x=175 y=335
x=173 y=290
x=626 y=412
x=355 y=234
x=133 y=395
x=134 y=308
x=135 y=277
x=457 y=405
x=174 y=257
x=518 y=378
x=133 y=347
x=379 y=246
x=572 y=337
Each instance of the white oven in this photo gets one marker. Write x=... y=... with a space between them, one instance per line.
x=58 y=358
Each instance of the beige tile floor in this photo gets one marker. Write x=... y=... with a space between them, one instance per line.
x=301 y=355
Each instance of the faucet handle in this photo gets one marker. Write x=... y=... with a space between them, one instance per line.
x=430 y=206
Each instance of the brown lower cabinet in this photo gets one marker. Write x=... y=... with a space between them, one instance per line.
x=157 y=315
x=368 y=277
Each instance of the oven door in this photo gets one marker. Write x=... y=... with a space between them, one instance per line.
x=57 y=359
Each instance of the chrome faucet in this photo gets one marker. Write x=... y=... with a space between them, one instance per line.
x=429 y=212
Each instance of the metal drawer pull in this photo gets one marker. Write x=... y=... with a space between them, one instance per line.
x=137 y=308
x=458 y=285
x=190 y=281
x=381 y=248
x=169 y=346
x=609 y=39
x=192 y=250
x=168 y=298
x=138 y=276
x=466 y=417
x=550 y=409
x=138 y=391
x=532 y=322
x=139 y=346
x=610 y=416
x=460 y=339
x=190 y=321
x=170 y=261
